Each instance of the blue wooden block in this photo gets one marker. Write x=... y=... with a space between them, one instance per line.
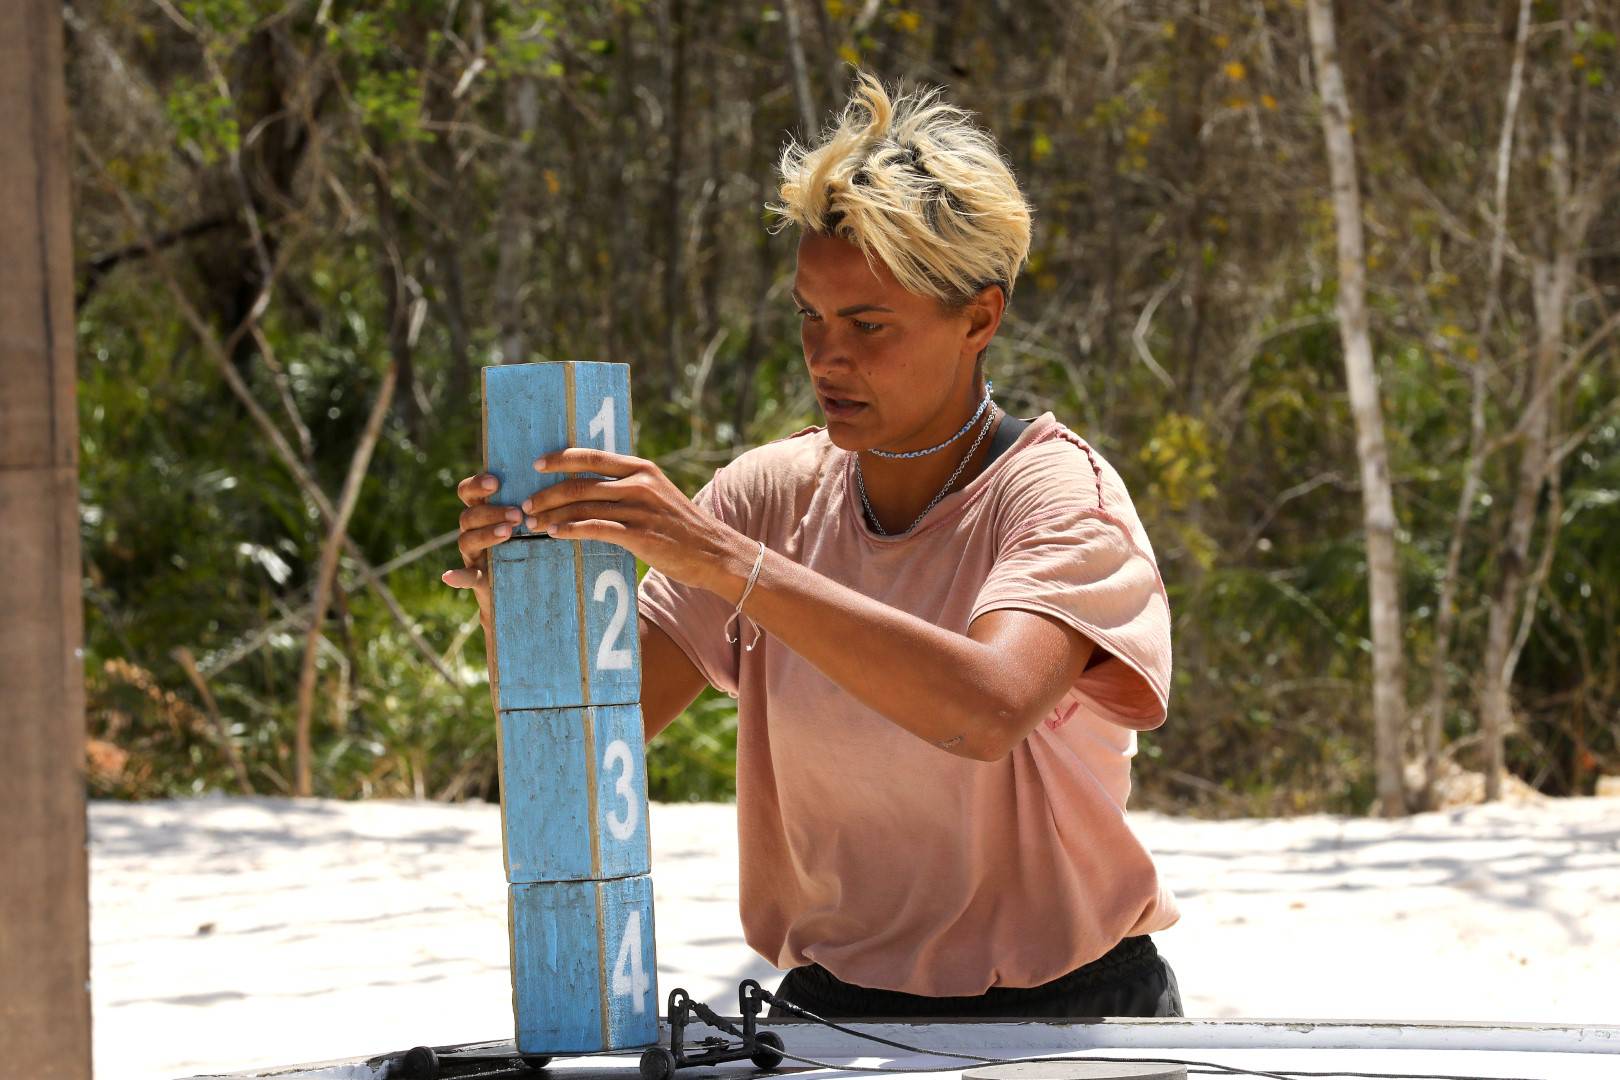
x=565 y=624
x=584 y=971
x=533 y=409
x=574 y=794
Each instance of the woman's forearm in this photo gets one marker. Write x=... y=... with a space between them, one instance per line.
x=939 y=685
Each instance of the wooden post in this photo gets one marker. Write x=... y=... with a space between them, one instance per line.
x=44 y=910
x=566 y=678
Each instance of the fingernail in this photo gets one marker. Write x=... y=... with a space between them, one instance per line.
x=513 y=515
x=551 y=530
x=489 y=483
x=503 y=530
x=532 y=522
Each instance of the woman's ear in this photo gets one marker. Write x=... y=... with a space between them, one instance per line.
x=984 y=315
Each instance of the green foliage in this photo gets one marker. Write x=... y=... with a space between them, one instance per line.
x=1181 y=202
x=204 y=119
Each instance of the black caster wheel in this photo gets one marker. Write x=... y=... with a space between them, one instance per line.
x=769 y=1054
x=535 y=1061
x=657 y=1063
x=419 y=1063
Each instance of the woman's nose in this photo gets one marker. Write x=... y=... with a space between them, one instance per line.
x=825 y=354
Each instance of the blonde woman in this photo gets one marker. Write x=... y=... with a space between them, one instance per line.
x=943 y=625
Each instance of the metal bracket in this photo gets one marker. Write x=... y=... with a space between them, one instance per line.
x=763 y=1048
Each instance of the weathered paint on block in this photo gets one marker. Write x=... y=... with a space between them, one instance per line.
x=533 y=409
x=584 y=977
x=544 y=591
x=574 y=794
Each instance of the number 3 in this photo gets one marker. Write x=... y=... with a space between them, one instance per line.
x=618 y=752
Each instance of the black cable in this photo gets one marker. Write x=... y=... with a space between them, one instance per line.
x=1212 y=1067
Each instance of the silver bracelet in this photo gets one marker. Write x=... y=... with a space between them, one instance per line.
x=735 y=615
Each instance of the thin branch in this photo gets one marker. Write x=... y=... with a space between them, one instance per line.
x=302 y=780
x=188 y=664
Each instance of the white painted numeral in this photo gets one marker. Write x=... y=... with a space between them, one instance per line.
x=609 y=655
x=602 y=424
x=629 y=977
x=618 y=752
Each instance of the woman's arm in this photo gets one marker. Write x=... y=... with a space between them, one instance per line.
x=669 y=680
x=976 y=695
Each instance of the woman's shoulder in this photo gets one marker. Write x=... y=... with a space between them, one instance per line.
x=778 y=470
x=1055 y=468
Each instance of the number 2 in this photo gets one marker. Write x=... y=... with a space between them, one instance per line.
x=629 y=977
x=602 y=424
x=618 y=752
x=609 y=655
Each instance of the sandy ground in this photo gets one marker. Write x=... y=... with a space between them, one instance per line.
x=233 y=933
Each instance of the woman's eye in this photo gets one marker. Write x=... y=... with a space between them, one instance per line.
x=862 y=326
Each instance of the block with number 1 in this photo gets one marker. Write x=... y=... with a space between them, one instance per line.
x=573 y=773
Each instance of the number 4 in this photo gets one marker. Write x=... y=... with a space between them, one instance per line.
x=629 y=977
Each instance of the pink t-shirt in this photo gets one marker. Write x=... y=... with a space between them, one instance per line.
x=868 y=850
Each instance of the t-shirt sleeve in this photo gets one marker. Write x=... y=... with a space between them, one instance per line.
x=695 y=619
x=1061 y=554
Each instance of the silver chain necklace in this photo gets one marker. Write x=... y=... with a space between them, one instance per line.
x=860 y=482
x=974 y=419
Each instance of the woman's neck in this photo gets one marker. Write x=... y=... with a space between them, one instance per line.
x=898 y=489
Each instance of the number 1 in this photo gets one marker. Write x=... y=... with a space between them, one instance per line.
x=602 y=424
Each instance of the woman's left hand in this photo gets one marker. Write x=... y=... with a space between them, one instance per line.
x=633 y=504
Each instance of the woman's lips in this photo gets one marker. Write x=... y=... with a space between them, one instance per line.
x=840 y=409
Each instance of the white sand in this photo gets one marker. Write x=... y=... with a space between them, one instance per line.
x=233 y=933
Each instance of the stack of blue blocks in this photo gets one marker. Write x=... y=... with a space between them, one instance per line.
x=567 y=668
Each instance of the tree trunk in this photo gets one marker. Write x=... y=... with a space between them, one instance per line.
x=512 y=261
x=802 y=93
x=674 y=264
x=1552 y=283
x=1445 y=613
x=44 y=905
x=1378 y=503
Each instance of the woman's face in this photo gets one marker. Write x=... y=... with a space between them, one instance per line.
x=891 y=369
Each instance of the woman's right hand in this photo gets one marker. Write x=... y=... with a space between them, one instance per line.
x=482 y=527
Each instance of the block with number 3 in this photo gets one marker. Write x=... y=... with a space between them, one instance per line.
x=574 y=793
x=584 y=977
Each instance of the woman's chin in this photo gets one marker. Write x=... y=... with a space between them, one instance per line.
x=848 y=432
x=848 y=437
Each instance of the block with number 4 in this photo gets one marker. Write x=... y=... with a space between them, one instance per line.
x=574 y=793
x=584 y=978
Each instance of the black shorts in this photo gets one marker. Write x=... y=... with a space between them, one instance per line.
x=1131 y=979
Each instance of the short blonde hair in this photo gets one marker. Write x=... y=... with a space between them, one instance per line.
x=914 y=183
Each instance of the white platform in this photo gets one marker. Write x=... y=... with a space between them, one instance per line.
x=1483 y=1051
